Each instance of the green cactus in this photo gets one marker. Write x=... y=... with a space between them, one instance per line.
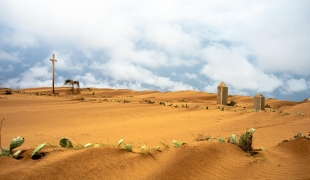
x=176 y=144
x=220 y=139
x=16 y=154
x=16 y=142
x=5 y=152
x=232 y=139
x=128 y=147
x=88 y=145
x=66 y=143
x=120 y=142
x=245 y=140
x=36 y=151
x=299 y=135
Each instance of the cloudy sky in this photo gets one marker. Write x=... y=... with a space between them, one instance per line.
x=253 y=46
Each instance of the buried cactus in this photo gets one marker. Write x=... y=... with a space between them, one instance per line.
x=245 y=140
x=16 y=142
x=37 y=149
x=5 y=152
x=128 y=147
x=232 y=139
x=16 y=154
x=66 y=143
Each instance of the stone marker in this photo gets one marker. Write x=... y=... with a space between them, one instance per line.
x=222 y=93
x=259 y=102
x=309 y=100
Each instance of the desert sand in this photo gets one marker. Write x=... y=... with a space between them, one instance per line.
x=101 y=116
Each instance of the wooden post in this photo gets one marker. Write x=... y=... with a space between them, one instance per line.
x=53 y=66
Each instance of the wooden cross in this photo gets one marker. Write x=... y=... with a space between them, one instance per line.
x=53 y=61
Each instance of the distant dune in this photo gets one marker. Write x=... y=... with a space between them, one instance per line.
x=104 y=116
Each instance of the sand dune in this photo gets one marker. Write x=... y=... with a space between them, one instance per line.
x=101 y=116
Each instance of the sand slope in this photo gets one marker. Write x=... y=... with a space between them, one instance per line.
x=101 y=116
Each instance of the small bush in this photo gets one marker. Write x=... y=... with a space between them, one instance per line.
x=162 y=103
x=232 y=103
x=8 y=91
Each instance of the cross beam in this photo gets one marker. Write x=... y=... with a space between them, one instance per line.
x=53 y=65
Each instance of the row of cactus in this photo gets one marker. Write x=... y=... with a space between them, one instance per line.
x=16 y=142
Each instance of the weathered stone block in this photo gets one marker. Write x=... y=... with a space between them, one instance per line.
x=259 y=102
x=222 y=93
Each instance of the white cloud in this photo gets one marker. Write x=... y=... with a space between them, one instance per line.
x=36 y=76
x=294 y=85
x=11 y=57
x=189 y=76
x=123 y=71
x=7 y=69
x=65 y=61
x=231 y=66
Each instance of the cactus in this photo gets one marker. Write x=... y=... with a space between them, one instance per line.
x=299 y=135
x=128 y=147
x=232 y=139
x=36 y=151
x=120 y=142
x=220 y=139
x=5 y=152
x=245 y=140
x=16 y=154
x=176 y=144
x=88 y=145
x=16 y=142
x=66 y=143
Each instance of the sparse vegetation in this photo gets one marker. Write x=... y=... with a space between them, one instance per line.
x=301 y=114
x=232 y=103
x=126 y=101
x=176 y=144
x=71 y=83
x=88 y=145
x=66 y=143
x=220 y=139
x=8 y=91
x=35 y=154
x=244 y=141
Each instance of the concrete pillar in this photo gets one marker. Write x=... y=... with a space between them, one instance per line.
x=259 y=102
x=222 y=93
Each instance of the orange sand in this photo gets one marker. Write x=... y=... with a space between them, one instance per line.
x=100 y=118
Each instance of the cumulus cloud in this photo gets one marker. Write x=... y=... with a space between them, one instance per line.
x=294 y=86
x=10 y=57
x=230 y=64
x=34 y=77
x=189 y=76
x=247 y=44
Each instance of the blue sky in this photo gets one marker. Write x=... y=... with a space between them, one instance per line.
x=253 y=46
